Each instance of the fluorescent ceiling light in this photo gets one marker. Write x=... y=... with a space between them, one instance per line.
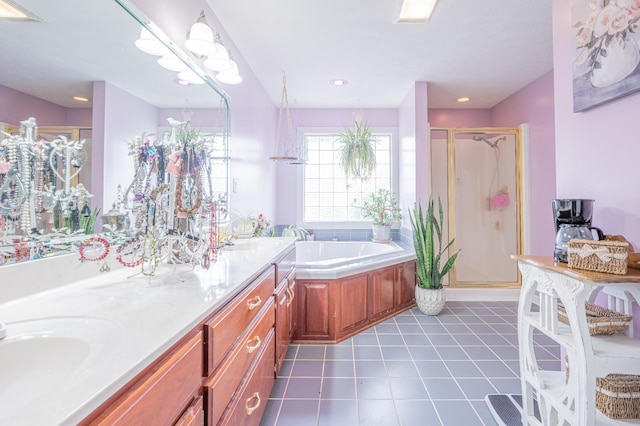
x=415 y=10
x=13 y=11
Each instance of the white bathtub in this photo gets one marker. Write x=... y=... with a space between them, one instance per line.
x=337 y=259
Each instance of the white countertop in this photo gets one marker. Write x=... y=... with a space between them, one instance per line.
x=83 y=341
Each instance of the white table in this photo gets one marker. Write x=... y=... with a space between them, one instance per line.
x=572 y=400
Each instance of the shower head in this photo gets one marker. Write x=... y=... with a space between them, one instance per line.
x=487 y=141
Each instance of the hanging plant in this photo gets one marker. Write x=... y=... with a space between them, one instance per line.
x=357 y=152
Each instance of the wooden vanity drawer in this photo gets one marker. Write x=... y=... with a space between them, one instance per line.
x=223 y=332
x=248 y=406
x=220 y=388
x=162 y=396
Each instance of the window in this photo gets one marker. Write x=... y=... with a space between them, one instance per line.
x=327 y=194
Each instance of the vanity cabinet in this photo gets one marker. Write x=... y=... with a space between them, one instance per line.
x=333 y=310
x=178 y=374
x=234 y=339
x=286 y=308
x=286 y=317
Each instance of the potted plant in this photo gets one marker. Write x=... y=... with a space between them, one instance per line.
x=357 y=151
x=426 y=228
x=382 y=207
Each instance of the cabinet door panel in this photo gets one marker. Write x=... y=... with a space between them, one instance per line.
x=353 y=302
x=314 y=317
x=382 y=291
x=228 y=326
x=293 y=306
x=405 y=284
x=282 y=322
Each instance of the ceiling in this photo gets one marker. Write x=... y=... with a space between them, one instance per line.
x=486 y=50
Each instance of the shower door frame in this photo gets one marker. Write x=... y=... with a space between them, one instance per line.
x=451 y=196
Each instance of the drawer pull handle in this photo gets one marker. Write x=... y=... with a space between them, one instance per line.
x=250 y=410
x=254 y=303
x=256 y=345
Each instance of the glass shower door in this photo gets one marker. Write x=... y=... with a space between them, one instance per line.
x=478 y=172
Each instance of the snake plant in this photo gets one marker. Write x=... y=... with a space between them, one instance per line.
x=426 y=228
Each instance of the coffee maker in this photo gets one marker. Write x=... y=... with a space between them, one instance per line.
x=572 y=218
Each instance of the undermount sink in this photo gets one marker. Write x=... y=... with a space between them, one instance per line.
x=39 y=357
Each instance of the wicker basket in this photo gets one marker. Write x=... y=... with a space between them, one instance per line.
x=601 y=256
x=599 y=320
x=618 y=396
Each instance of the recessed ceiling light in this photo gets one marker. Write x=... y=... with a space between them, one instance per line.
x=415 y=11
x=11 y=10
x=338 y=82
x=463 y=99
x=81 y=99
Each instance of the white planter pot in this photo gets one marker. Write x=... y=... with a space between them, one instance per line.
x=381 y=233
x=430 y=301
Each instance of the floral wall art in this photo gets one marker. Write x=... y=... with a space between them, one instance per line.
x=607 y=53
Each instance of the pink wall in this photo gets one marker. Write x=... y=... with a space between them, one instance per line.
x=118 y=118
x=459 y=117
x=597 y=151
x=17 y=106
x=534 y=105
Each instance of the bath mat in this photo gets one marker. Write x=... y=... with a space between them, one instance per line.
x=507 y=409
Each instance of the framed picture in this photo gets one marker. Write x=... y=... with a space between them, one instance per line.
x=606 y=51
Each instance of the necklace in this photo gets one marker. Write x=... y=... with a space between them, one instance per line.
x=99 y=247
x=195 y=200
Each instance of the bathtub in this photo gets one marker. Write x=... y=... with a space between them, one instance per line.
x=338 y=259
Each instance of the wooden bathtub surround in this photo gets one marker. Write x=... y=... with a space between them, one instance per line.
x=330 y=311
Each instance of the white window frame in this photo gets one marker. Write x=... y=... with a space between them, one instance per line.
x=366 y=224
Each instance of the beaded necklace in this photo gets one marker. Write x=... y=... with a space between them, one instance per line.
x=189 y=167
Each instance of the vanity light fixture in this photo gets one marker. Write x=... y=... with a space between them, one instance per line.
x=414 y=11
x=220 y=60
x=80 y=99
x=181 y=82
x=463 y=99
x=148 y=43
x=190 y=76
x=171 y=62
x=230 y=76
x=200 y=38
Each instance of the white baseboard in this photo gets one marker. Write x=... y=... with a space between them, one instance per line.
x=482 y=294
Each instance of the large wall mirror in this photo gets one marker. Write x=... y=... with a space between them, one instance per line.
x=86 y=49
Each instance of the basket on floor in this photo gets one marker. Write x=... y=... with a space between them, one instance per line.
x=618 y=396
x=602 y=256
x=600 y=320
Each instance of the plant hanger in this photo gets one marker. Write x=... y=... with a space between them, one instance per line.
x=284 y=107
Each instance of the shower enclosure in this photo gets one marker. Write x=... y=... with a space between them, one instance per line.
x=476 y=173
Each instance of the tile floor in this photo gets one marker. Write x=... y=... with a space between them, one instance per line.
x=409 y=370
